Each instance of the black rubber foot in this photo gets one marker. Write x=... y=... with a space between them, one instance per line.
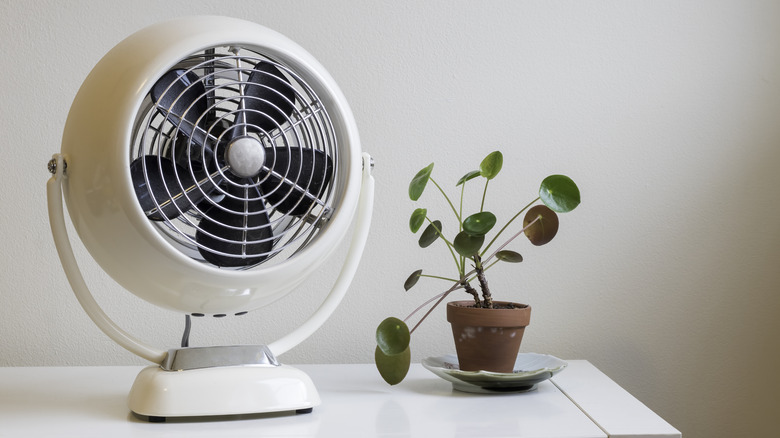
x=304 y=411
x=153 y=419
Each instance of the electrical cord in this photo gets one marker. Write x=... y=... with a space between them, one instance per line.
x=185 y=339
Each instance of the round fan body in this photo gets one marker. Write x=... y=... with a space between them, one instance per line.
x=211 y=165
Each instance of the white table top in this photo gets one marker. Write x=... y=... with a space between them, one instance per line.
x=92 y=402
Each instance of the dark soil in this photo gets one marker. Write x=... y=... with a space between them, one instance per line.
x=504 y=305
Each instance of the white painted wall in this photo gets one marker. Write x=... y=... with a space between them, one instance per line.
x=667 y=114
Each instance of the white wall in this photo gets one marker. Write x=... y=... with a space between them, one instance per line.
x=667 y=114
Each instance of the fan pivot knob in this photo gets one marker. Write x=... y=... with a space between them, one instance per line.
x=245 y=156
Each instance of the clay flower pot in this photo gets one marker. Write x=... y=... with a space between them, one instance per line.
x=487 y=339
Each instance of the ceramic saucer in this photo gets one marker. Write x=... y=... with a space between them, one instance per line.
x=530 y=369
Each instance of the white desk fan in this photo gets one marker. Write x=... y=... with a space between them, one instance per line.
x=209 y=165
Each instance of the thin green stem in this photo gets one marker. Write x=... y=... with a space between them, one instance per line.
x=507 y=224
x=484 y=195
x=438 y=230
x=460 y=210
x=460 y=225
x=447 y=198
x=490 y=265
x=512 y=238
x=450 y=246
x=440 y=278
x=470 y=276
x=440 y=297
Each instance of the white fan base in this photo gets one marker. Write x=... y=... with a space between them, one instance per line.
x=233 y=390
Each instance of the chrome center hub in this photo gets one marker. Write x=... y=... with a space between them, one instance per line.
x=245 y=156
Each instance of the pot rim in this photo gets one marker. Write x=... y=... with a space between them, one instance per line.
x=462 y=312
x=470 y=303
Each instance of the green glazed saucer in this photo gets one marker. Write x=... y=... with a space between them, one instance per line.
x=530 y=369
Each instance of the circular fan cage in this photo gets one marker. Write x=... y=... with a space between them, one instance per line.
x=233 y=158
x=212 y=165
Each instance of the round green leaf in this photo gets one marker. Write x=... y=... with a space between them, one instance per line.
x=417 y=186
x=469 y=176
x=559 y=193
x=491 y=165
x=509 y=256
x=430 y=234
x=392 y=367
x=412 y=280
x=417 y=219
x=468 y=245
x=544 y=229
x=479 y=224
x=392 y=336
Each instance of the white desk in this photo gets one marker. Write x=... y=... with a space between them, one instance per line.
x=91 y=402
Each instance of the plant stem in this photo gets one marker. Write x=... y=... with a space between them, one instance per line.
x=507 y=224
x=434 y=298
x=511 y=239
x=440 y=278
x=458 y=263
x=470 y=276
x=483 y=282
x=460 y=228
x=484 y=194
x=473 y=292
x=447 y=198
x=491 y=265
x=460 y=207
x=441 y=298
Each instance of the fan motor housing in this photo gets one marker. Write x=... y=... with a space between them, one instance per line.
x=99 y=190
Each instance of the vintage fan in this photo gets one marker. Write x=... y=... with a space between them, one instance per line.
x=209 y=165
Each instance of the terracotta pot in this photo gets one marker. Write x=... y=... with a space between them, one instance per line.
x=487 y=339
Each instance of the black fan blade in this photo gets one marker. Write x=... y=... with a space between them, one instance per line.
x=181 y=95
x=202 y=160
x=243 y=231
x=298 y=178
x=167 y=183
x=271 y=98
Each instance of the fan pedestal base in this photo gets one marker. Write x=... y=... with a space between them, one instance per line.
x=233 y=390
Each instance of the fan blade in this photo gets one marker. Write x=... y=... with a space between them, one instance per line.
x=171 y=186
x=181 y=94
x=242 y=229
x=202 y=160
x=271 y=98
x=298 y=178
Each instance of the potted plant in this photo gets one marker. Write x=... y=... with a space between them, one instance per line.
x=501 y=322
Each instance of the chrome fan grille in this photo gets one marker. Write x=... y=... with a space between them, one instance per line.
x=234 y=159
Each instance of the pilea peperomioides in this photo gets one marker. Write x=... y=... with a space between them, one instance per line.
x=470 y=253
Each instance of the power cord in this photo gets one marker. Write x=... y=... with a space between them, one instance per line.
x=185 y=339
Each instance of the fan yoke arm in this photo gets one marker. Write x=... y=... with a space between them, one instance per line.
x=73 y=273
x=354 y=254
x=117 y=334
